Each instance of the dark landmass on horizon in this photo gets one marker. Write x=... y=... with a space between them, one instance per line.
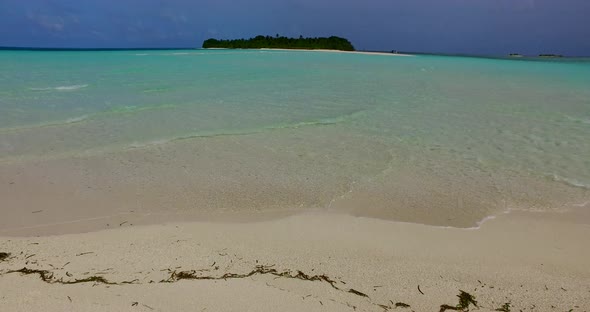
x=280 y=42
x=550 y=55
x=511 y=56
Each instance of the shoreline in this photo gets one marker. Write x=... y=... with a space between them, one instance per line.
x=578 y=213
x=87 y=225
x=373 y=264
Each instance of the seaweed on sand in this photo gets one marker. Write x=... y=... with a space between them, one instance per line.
x=259 y=270
x=465 y=300
x=504 y=308
x=358 y=293
x=48 y=277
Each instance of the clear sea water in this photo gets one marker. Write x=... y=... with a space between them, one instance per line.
x=408 y=134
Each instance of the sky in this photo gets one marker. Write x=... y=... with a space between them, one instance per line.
x=485 y=27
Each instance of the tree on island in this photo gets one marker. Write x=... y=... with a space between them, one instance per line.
x=281 y=42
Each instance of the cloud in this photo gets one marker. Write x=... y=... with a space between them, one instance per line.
x=99 y=34
x=49 y=22
x=174 y=17
x=457 y=26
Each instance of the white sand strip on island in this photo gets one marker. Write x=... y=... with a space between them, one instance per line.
x=319 y=50
x=340 y=51
x=309 y=262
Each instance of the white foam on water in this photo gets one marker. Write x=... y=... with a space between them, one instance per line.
x=482 y=221
x=477 y=226
x=76 y=119
x=71 y=88
x=570 y=182
x=61 y=88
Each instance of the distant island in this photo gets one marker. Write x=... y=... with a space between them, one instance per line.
x=279 y=42
x=550 y=55
x=544 y=55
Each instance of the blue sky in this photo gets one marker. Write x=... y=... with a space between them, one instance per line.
x=450 y=26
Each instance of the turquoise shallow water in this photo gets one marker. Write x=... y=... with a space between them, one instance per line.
x=442 y=118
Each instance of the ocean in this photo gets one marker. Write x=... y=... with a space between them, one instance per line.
x=439 y=140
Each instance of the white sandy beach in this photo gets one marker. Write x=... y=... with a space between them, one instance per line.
x=534 y=262
x=322 y=50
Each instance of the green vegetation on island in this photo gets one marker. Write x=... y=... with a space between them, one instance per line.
x=279 y=42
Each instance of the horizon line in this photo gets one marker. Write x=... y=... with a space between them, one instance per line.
x=89 y=49
x=524 y=56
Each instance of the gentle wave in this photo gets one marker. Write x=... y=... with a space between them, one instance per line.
x=156 y=90
x=584 y=204
x=122 y=110
x=76 y=119
x=320 y=122
x=242 y=132
x=61 y=88
x=570 y=182
x=578 y=120
x=146 y=144
x=68 y=121
x=135 y=109
x=70 y=88
x=161 y=141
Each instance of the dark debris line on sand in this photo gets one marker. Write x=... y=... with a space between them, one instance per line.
x=262 y=270
x=4 y=255
x=466 y=300
x=48 y=277
x=259 y=270
x=358 y=293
